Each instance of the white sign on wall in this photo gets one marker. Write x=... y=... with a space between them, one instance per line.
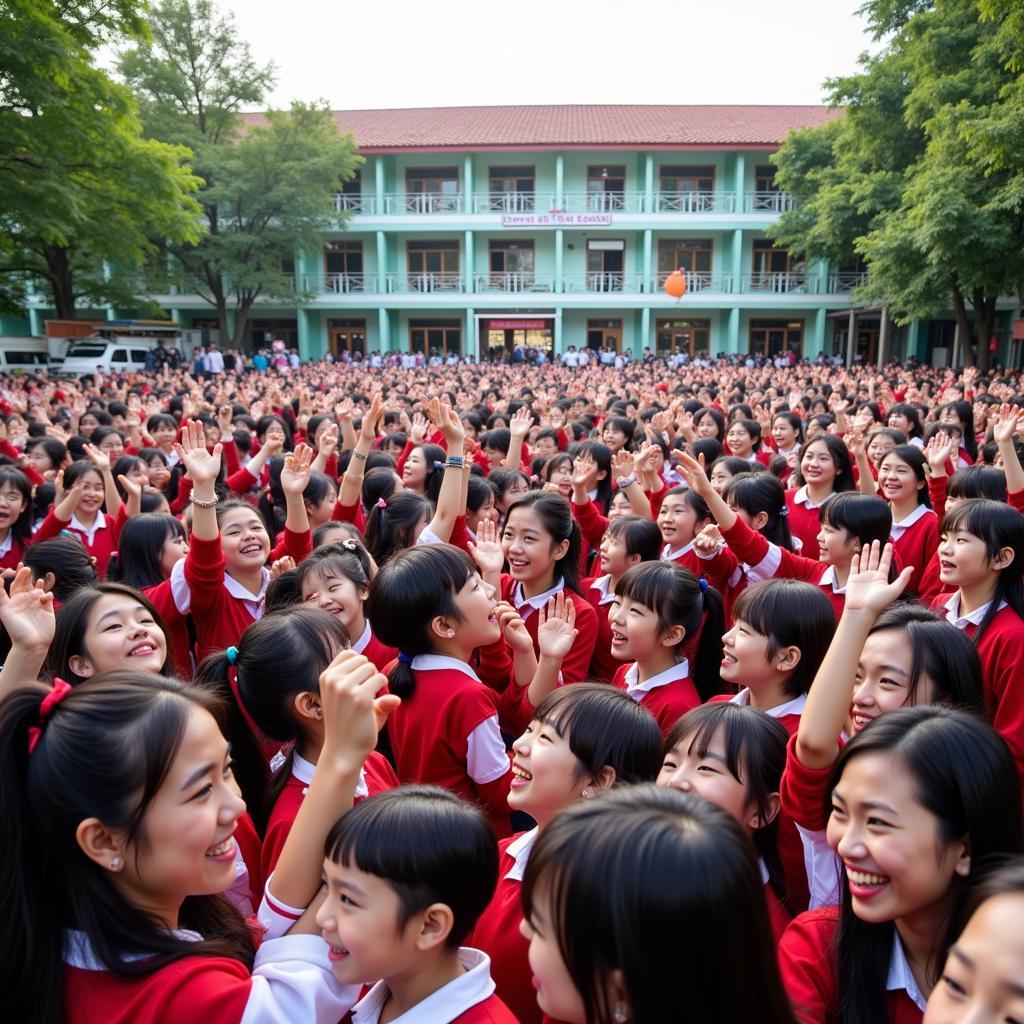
x=554 y=219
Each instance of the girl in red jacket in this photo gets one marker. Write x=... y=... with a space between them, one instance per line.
x=15 y=516
x=825 y=469
x=604 y=892
x=658 y=608
x=919 y=800
x=583 y=740
x=915 y=527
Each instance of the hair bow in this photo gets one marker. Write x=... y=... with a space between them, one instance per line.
x=60 y=690
x=381 y=503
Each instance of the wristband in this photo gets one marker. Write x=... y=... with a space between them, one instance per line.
x=625 y=481
x=358 y=455
x=455 y=461
x=199 y=503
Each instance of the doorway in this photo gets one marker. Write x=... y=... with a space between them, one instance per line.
x=769 y=338
x=346 y=336
x=692 y=337
x=602 y=334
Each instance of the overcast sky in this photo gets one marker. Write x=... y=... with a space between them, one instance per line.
x=418 y=53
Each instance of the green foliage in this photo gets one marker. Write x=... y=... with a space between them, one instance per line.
x=923 y=175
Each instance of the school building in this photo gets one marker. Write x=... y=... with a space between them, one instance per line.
x=477 y=229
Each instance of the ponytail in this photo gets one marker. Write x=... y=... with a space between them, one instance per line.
x=707 y=657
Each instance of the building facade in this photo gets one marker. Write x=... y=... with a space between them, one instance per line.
x=476 y=230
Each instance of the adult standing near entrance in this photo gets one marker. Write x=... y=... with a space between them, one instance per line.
x=213 y=361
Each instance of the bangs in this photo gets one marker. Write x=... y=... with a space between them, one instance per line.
x=701 y=725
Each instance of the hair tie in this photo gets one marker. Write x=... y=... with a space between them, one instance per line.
x=381 y=504
x=35 y=733
x=703 y=584
x=438 y=465
x=349 y=544
x=405 y=659
x=232 y=655
x=784 y=511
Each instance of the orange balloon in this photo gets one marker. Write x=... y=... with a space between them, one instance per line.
x=675 y=284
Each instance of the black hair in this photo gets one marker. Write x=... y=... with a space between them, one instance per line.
x=606 y=728
x=755 y=755
x=734 y=465
x=21 y=528
x=914 y=457
x=965 y=416
x=282 y=592
x=100 y=434
x=319 y=487
x=751 y=426
x=347 y=559
x=864 y=517
x=977 y=481
x=264 y=423
x=278 y=656
x=711 y=448
x=502 y=478
x=998 y=526
x=379 y=484
x=72 y=619
x=78 y=469
x=962 y=772
x=716 y=415
x=498 y=439
x=556 y=516
x=912 y=413
x=390 y=526
x=428 y=846
x=136 y=562
x=478 y=492
x=940 y=651
x=841 y=459
x=602 y=456
x=762 y=492
x=621 y=872
x=790 y=613
x=56 y=451
x=105 y=753
x=67 y=559
x=434 y=456
x=350 y=530
x=621 y=423
x=694 y=500
x=640 y=536
x=407 y=594
x=160 y=419
x=678 y=598
x=793 y=420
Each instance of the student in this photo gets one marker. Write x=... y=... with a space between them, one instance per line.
x=540 y=542
x=903 y=483
x=658 y=608
x=981 y=982
x=508 y=484
x=825 y=469
x=733 y=757
x=597 y=460
x=628 y=541
x=629 y=497
x=787 y=434
x=125 y=782
x=849 y=521
x=907 y=420
x=743 y=441
x=62 y=565
x=271 y=684
x=980 y=556
x=107 y=627
x=222 y=581
x=15 y=516
x=781 y=632
x=920 y=799
x=336 y=578
x=408 y=874
x=603 y=915
x=683 y=514
x=583 y=740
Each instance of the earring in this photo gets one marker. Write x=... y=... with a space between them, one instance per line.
x=620 y=1014
x=586 y=794
x=115 y=864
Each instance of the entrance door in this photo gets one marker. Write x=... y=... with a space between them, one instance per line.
x=347 y=336
x=435 y=337
x=769 y=338
x=690 y=336
x=867 y=335
x=604 y=334
x=606 y=262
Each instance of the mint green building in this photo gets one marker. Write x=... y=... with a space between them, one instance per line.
x=478 y=229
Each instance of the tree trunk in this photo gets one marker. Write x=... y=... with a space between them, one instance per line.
x=964 y=325
x=984 y=321
x=61 y=280
x=241 y=322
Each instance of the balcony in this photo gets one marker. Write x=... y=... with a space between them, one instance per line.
x=427 y=283
x=781 y=283
x=341 y=284
x=345 y=203
x=601 y=202
x=605 y=281
x=514 y=283
x=767 y=202
x=505 y=202
x=699 y=281
x=695 y=202
x=846 y=281
x=424 y=203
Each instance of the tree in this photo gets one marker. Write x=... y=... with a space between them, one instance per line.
x=897 y=179
x=269 y=183
x=80 y=189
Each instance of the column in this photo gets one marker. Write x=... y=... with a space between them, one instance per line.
x=383 y=330
x=817 y=334
x=35 y=322
x=649 y=183
x=228 y=342
x=558 y=333
x=740 y=182
x=913 y=337
x=737 y=260
x=649 y=284
x=382 y=262
x=732 y=338
x=645 y=333
x=471 y=334
x=883 y=336
x=379 y=184
x=559 y=259
x=470 y=269
x=851 y=337
x=305 y=334
x=559 y=182
x=467 y=183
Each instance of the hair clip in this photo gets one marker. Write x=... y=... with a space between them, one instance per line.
x=349 y=544
x=381 y=503
x=232 y=655
x=35 y=732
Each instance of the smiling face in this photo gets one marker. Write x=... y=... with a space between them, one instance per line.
x=738 y=441
x=898 y=482
x=784 y=434
x=113 y=446
x=338 y=596
x=414 y=472
x=898 y=421
x=706 y=426
x=720 y=477
x=897 y=864
x=174 y=549
x=561 y=477
x=185 y=846
x=614 y=557
x=547 y=776
x=614 y=437
x=883 y=678
x=817 y=466
x=12 y=504
x=636 y=631
x=529 y=548
x=678 y=521
x=164 y=436
x=244 y=540
x=119 y=633
x=878 y=447
x=964 y=560
x=557 y=995
x=544 y=447
x=745 y=659
x=93 y=493
x=40 y=461
x=835 y=545
x=476 y=605
x=322 y=511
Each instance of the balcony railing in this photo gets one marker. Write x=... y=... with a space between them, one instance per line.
x=695 y=202
x=767 y=202
x=699 y=281
x=341 y=284
x=346 y=203
x=425 y=283
x=602 y=202
x=606 y=281
x=845 y=281
x=514 y=283
x=505 y=202
x=781 y=283
x=424 y=202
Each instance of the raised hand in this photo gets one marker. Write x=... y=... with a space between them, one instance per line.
x=938 y=451
x=519 y=425
x=281 y=566
x=27 y=614
x=297 y=467
x=1006 y=422
x=202 y=466
x=513 y=629
x=99 y=458
x=328 y=442
x=486 y=550
x=132 y=488
x=694 y=473
x=448 y=422
x=868 y=588
x=372 y=416
x=708 y=541
x=556 y=627
x=419 y=428
x=623 y=464
x=582 y=467
x=352 y=713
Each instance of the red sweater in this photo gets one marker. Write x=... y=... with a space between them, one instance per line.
x=668 y=701
x=804 y=523
x=808 y=966
x=179 y=644
x=603 y=664
x=915 y=545
x=100 y=544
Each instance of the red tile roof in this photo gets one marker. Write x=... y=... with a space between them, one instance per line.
x=574 y=126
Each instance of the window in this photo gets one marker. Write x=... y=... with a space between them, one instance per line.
x=777 y=270
x=343 y=267
x=120 y=355
x=354 y=185
x=690 y=336
x=346 y=336
x=770 y=338
x=288 y=266
x=435 y=337
x=606 y=264
x=606 y=187
x=764 y=178
x=686 y=189
x=138 y=355
x=692 y=255
x=85 y=350
x=31 y=358
x=432 y=190
x=511 y=189
x=433 y=265
x=511 y=265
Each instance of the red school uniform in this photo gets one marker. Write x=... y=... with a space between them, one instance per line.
x=1001 y=651
x=771 y=560
x=291 y=979
x=576 y=664
x=100 y=541
x=497 y=931
x=369 y=646
x=685 y=557
x=804 y=519
x=807 y=962
x=915 y=540
x=447 y=734
x=179 y=642
x=667 y=696
x=468 y=999
x=221 y=607
x=598 y=591
x=11 y=550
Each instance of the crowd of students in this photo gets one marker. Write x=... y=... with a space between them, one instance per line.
x=496 y=694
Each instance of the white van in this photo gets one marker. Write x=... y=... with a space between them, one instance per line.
x=109 y=355
x=24 y=355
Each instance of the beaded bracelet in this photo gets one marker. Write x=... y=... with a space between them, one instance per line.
x=199 y=503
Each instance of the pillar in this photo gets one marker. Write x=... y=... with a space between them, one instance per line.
x=649 y=284
x=305 y=327
x=851 y=337
x=470 y=270
x=383 y=330
x=732 y=337
x=559 y=260
x=818 y=334
x=737 y=260
x=35 y=322
x=649 y=205
x=740 y=182
x=559 y=349
x=883 y=336
x=913 y=340
x=559 y=182
x=645 y=333
x=379 y=185
x=471 y=344
x=382 y=262
x=467 y=183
